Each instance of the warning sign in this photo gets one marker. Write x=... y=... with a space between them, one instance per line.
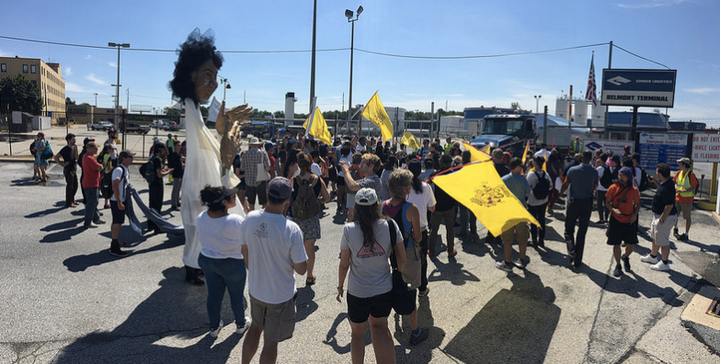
x=706 y=148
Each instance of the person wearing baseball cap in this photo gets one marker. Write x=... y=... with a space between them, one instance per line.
x=117 y=200
x=91 y=185
x=273 y=250
x=686 y=186
x=254 y=161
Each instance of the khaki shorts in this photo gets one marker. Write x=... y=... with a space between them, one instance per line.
x=521 y=230
x=660 y=233
x=277 y=320
x=685 y=208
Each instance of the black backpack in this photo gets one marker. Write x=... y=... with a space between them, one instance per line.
x=306 y=205
x=106 y=188
x=542 y=188
x=147 y=170
x=606 y=179
x=644 y=183
x=32 y=148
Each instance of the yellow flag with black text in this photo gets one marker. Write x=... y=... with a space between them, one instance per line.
x=317 y=127
x=478 y=187
x=375 y=112
x=410 y=140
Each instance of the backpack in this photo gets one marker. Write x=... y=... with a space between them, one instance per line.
x=606 y=179
x=32 y=148
x=47 y=153
x=306 y=205
x=542 y=188
x=106 y=188
x=147 y=170
x=644 y=183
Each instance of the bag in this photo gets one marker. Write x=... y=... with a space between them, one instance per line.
x=606 y=179
x=147 y=170
x=262 y=174
x=306 y=205
x=106 y=188
x=412 y=269
x=32 y=148
x=47 y=153
x=542 y=188
x=644 y=182
x=402 y=294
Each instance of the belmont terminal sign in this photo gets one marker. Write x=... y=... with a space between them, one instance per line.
x=651 y=88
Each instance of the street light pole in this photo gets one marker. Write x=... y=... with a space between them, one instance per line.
x=312 y=61
x=349 y=14
x=537 y=103
x=95 y=110
x=117 y=84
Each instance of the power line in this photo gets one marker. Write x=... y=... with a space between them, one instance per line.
x=638 y=56
x=482 y=56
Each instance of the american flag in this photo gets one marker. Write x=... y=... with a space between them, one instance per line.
x=592 y=87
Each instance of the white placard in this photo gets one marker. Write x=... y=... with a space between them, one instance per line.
x=706 y=148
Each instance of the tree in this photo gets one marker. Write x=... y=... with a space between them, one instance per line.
x=69 y=101
x=21 y=95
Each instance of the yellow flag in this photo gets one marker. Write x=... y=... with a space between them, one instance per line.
x=527 y=146
x=375 y=112
x=475 y=154
x=478 y=187
x=410 y=140
x=316 y=126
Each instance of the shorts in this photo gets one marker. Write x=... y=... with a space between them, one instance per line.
x=685 y=208
x=241 y=186
x=340 y=181
x=350 y=201
x=277 y=320
x=660 y=233
x=118 y=217
x=259 y=190
x=617 y=232
x=521 y=230
x=376 y=306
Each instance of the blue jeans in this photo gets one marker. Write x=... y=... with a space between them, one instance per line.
x=466 y=215
x=91 y=200
x=219 y=274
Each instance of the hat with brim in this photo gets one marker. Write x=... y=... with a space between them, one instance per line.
x=227 y=192
x=126 y=154
x=685 y=161
x=254 y=141
x=366 y=197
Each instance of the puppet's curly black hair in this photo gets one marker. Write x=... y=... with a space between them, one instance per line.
x=197 y=49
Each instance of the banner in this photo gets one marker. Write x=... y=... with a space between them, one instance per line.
x=410 y=140
x=475 y=154
x=316 y=126
x=375 y=112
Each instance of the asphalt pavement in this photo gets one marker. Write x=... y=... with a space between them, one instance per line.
x=67 y=300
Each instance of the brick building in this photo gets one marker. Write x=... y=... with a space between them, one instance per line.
x=48 y=77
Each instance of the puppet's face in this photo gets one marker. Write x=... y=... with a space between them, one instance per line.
x=205 y=79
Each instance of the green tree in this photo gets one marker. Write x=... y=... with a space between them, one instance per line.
x=69 y=101
x=172 y=113
x=20 y=95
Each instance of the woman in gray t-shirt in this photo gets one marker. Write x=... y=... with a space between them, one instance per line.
x=365 y=250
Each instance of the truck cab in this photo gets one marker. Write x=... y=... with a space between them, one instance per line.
x=506 y=131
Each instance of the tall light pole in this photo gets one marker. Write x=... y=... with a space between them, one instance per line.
x=117 y=84
x=351 y=19
x=95 y=110
x=537 y=103
x=312 y=61
x=226 y=85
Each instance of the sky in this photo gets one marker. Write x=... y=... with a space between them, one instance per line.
x=513 y=42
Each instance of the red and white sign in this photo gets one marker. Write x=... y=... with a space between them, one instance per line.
x=706 y=148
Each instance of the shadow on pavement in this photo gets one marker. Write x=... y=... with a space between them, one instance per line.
x=451 y=271
x=82 y=262
x=515 y=326
x=176 y=310
x=331 y=339
x=304 y=303
x=633 y=285
x=59 y=206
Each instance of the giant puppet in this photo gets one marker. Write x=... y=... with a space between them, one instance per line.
x=208 y=162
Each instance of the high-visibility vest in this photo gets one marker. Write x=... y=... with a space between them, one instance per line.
x=576 y=146
x=683 y=181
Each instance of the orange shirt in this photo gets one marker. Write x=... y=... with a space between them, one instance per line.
x=614 y=193
x=693 y=182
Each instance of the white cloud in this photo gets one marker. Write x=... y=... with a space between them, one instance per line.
x=651 y=4
x=702 y=90
x=112 y=64
x=73 y=87
x=4 y=54
x=89 y=57
x=93 y=78
x=68 y=71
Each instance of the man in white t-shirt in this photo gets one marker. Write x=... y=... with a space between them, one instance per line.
x=273 y=250
x=118 y=199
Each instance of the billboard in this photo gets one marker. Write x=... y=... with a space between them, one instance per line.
x=662 y=148
x=650 y=88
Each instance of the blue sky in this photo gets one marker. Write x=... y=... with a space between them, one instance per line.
x=682 y=34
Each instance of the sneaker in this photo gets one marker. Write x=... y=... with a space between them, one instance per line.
x=421 y=335
x=214 y=332
x=683 y=237
x=650 y=259
x=519 y=263
x=118 y=253
x=617 y=272
x=92 y=225
x=241 y=328
x=626 y=263
x=502 y=265
x=100 y=221
x=601 y=221
x=107 y=205
x=661 y=266
x=452 y=253
x=424 y=293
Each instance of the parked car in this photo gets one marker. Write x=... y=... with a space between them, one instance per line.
x=134 y=128
x=103 y=125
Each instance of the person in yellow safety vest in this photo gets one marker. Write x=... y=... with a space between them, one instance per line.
x=686 y=185
x=576 y=146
